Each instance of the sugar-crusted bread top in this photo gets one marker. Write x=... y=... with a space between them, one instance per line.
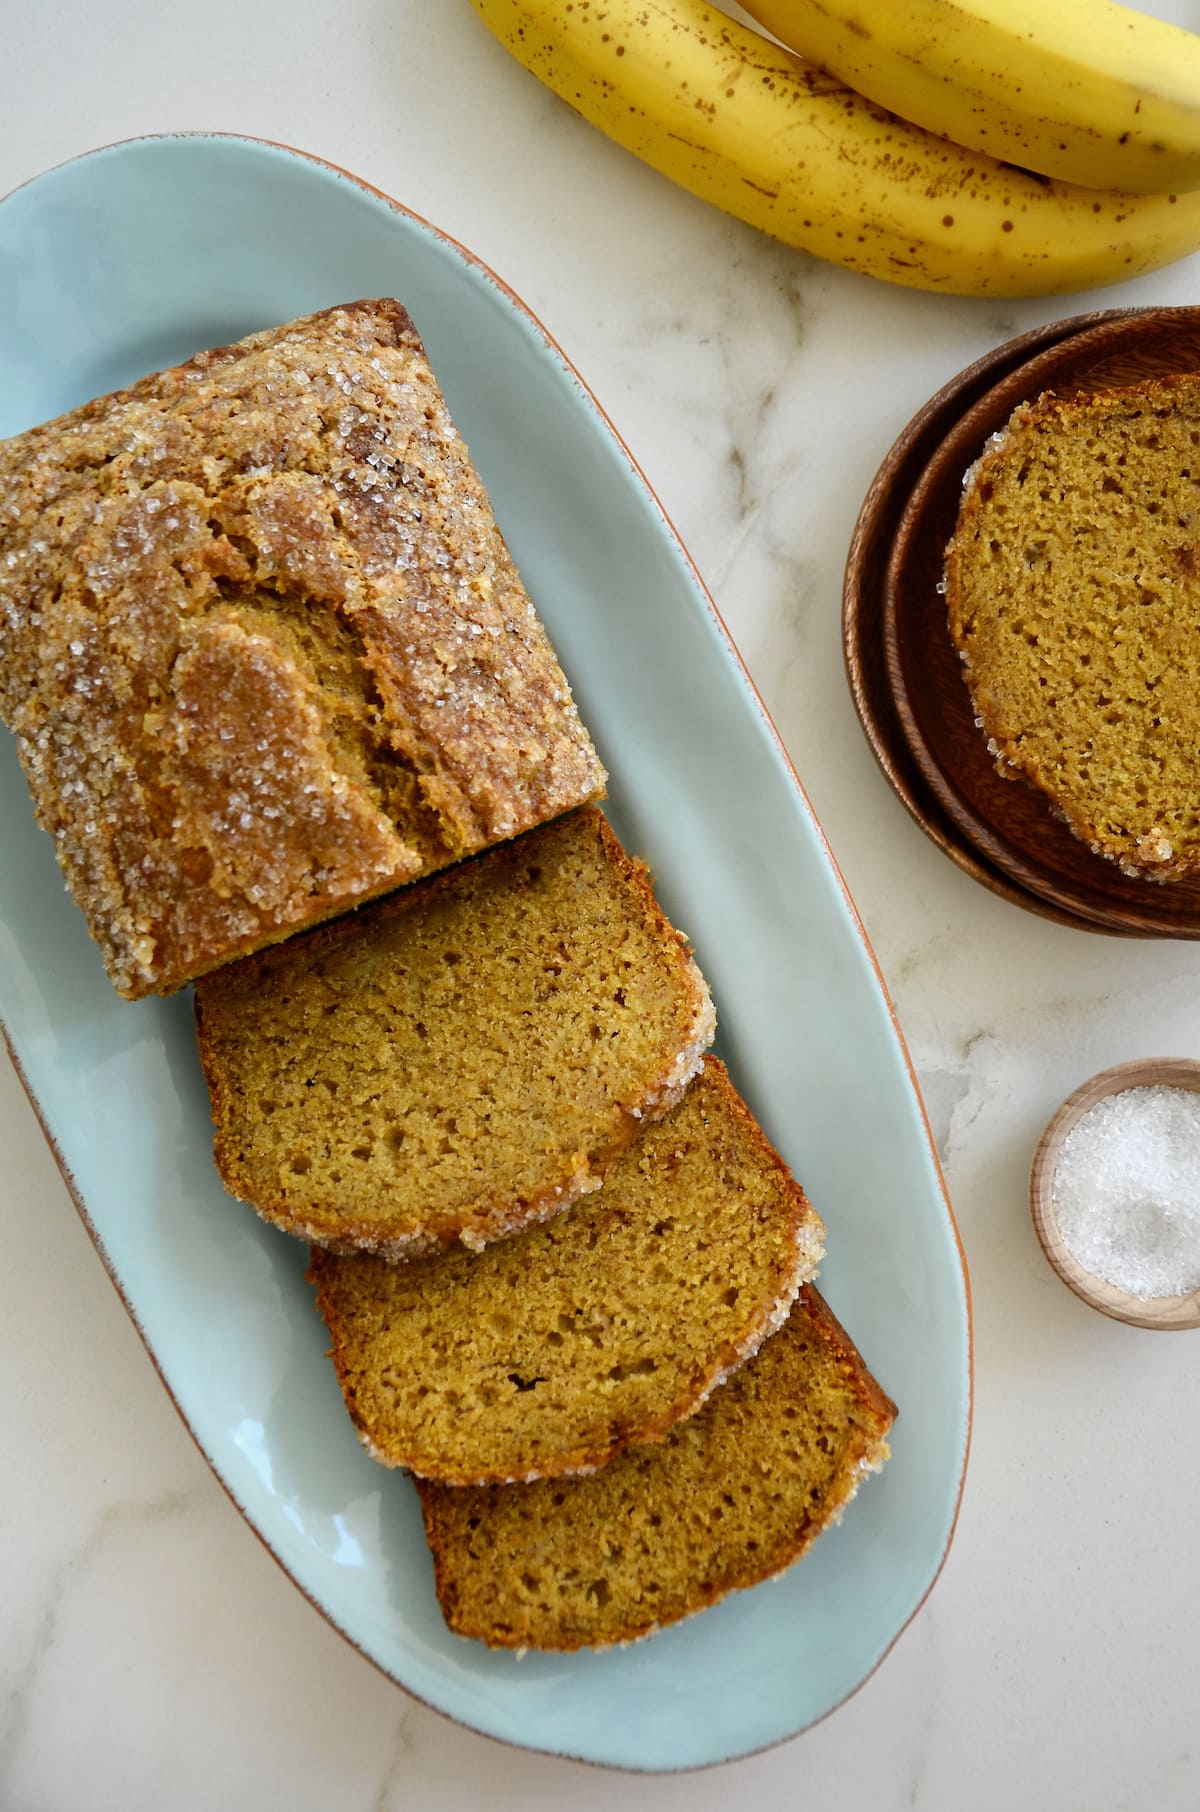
x=1073 y=589
x=548 y=1352
x=263 y=647
x=461 y=1059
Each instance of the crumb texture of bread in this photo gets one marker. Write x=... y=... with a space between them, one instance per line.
x=726 y=1499
x=263 y=648
x=1073 y=589
x=461 y=1059
x=546 y=1353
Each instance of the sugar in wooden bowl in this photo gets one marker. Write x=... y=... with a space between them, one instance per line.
x=1115 y=1192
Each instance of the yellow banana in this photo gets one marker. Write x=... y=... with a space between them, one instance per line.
x=1079 y=89
x=745 y=125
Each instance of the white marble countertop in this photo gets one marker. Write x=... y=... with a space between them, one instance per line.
x=152 y=1655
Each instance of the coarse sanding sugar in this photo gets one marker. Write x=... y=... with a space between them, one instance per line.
x=1127 y=1190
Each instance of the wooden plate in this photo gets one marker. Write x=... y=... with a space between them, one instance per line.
x=863 y=602
x=1008 y=822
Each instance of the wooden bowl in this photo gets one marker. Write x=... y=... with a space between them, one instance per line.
x=863 y=602
x=1008 y=822
x=1139 y=1312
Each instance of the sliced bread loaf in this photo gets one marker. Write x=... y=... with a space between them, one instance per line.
x=726 y=1499
x=461 y=1059
x=547 y=1352
x=1073 y=587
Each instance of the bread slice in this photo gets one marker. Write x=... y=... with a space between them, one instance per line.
x=263 y=647
x=726 y=1499
x=461 y=1059
x=1073 y=587
x=548 y=1352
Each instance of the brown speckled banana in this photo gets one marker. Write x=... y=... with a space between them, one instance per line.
x=1079 y=89
x=791 y=150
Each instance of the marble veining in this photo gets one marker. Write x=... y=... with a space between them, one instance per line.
x=119 y=1521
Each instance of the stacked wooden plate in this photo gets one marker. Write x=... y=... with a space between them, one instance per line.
x=905 y=673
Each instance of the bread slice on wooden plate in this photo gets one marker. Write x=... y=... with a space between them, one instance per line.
x=263 y=648
x=1073 y=592
x=549 y=1351
x=461 y=1059
x=728 y=1498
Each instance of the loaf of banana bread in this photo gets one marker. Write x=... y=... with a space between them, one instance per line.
x=263 y=647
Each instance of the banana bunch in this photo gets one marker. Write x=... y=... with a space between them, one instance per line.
x=789 y=148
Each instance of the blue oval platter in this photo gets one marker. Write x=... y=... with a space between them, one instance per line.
x=135 y=257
